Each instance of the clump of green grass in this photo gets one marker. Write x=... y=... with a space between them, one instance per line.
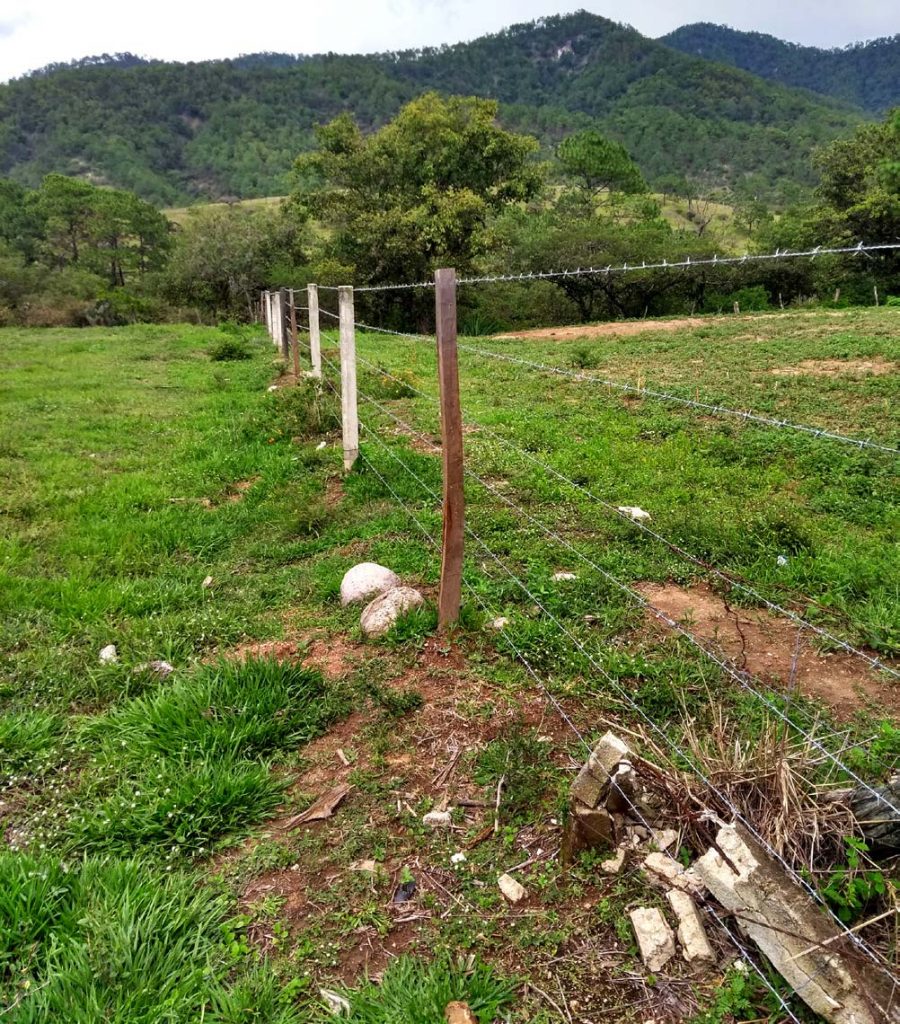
x=121 y=941
x=518 y=758
x=178 y=771
x=229 y=350
x=414 y=992
x=28 y=739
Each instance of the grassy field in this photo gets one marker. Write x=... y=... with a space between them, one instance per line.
x=168 y=503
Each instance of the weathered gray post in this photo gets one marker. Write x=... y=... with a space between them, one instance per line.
x=349 y=413
x=315 y=340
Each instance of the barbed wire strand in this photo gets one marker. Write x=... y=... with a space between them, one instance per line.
x=639 y=598
x=727 y=576
x=872 y=954
x=745 y=954
x=861 y=249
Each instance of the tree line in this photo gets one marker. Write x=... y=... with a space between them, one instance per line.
x=445 y=184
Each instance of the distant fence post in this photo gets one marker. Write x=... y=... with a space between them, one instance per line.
x=349 y=414
x=451 y=449
x=315 y=341
x=295 y=343
x=284 y=332
x=273 y=320
x=267 y=312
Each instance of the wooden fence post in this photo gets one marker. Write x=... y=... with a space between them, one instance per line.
x=295 y=343
x=349 y=413
x=315 y=341
x=273 y=319
x=266 y=311
x=451 y=449
x=284 y=330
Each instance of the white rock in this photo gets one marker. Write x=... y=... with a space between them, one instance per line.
x=664 y=838
x=437 y=819
x=207 y=582
x=458 y=858
x=501 y=622
x=662 y=867
x=271 y=388
x=562 y=577
x=511 y=889
x=691 y=933
x=321 y=446
x=365 y=581
x=635 y=513
x=655 y=937
x=161 y=668
x=781 y=561
x=383 y=612
x=615 y=864
x=336 y=1004
x=109 y=655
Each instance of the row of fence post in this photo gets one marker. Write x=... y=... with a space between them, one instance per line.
x=278 y=311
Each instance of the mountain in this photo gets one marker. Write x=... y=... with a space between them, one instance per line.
x=865 y=74
x=174 y=132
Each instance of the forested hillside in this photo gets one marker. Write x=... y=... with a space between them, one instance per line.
x=174 y=132
x=866 y=74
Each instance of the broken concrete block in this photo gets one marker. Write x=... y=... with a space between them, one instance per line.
x=622 y=789
x=587 y=788
x=664 y=869
x=654 y=936
x=563 y=577
x=437 y=819
x=691 y=933
x=798 y=939
x=511 y=889
x=607 y=755
x=664 y=838
x=615 y=864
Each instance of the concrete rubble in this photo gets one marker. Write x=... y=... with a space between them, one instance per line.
x=691 y=933
x=801 y=942
x=514 y=891
x=654 y=936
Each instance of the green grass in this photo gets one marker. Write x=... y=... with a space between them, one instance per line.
x=138 y=465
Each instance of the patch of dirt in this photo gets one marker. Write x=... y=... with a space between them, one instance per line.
x=418 y=441
x=235 y=492
x=614 y=328
x=334 y=492
x=334 y=656
x=280 y=650
x=836 y=368
x=766 y=646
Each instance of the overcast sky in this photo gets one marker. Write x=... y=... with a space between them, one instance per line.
x=38 y=32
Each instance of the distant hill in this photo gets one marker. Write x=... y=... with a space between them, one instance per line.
x=177 y=132
x=865 y=74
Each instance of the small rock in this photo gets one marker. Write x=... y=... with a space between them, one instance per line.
x=437 y=819
x=336 y=1004
x=160 y=668
x=781 y=561
x=378 y=616
x=607 y=755
x=615 y=864
x=207 y=583
x=654 y=936
x=664 y=838
x=404 y=892
x=271 y=388
x=109 y=655
x=511 y=889
x=635 y=513
x=365 y=581
x=691 y=933
x=499 y=623
x=459 y=1013
x=458 y=858
x=562 y=577
x=369 y=867
x=321 y=446
x=663 y=868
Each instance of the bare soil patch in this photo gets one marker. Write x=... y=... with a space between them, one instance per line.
x=836 y=368
x=766 y=646
x=615 y=328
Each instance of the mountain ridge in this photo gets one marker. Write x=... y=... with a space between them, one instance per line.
x=174 y=132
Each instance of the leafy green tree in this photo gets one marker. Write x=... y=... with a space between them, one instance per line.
x=21 y=226
x=66 y=206
x=419 y=192
x=599 y=164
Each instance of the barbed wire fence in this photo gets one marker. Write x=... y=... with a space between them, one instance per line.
x=280 y=312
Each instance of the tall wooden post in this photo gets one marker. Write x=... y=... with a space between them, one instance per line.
x=295 y=343
x=451 y=447
x=284 y=332
x=315 y=340
x=349 y=413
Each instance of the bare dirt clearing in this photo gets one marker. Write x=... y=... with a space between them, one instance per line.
x=767 y=647
x=836 y=368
